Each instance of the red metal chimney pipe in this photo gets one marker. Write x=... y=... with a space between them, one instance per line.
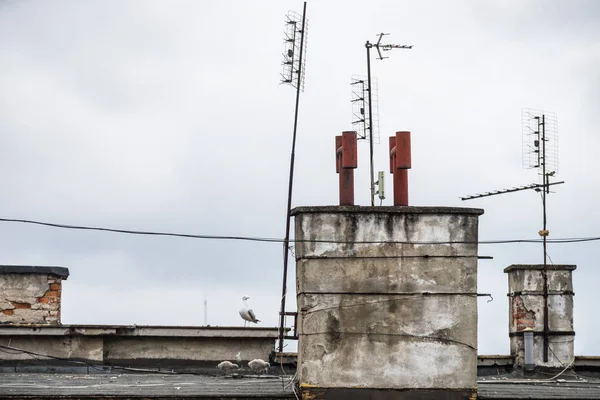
x=400 y=163
x=346 y=157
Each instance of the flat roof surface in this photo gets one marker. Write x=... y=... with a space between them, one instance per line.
x=152 y=385
x=143 y=386
x=537 y=390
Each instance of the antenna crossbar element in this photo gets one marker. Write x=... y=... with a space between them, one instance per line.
x=386 y=47
x=361 y=120
x=535 y=186
x=295 y=34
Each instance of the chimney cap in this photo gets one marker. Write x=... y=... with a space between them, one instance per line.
x=385 y=210
x=33 y=269
x=539 y=267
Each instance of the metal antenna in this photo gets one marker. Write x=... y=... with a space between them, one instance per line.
x=294 y=59
x=380 y=47
x=294 y=54
x=360 y=104
x=540 y=151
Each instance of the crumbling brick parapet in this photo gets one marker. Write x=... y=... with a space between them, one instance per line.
x=31 y=295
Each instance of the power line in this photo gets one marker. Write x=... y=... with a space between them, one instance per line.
x=281 y=240
x=137 y=232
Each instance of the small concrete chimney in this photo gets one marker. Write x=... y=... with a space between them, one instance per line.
x=387 y=301
x=526 y=312
x=31 y=295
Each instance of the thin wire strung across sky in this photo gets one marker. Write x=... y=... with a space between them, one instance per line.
x=281 y=240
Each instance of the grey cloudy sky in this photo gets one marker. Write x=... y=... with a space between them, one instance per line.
x=157 y=115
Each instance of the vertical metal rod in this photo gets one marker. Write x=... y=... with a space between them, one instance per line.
x=545 y=272
x=368 y=46
x=286 y=243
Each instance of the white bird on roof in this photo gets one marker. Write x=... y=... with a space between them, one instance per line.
x=246 y=313
x=238 y=357
x=259 y=366
x=227 y=366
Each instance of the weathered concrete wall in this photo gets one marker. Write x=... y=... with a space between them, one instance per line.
x=526 y=310
x=118 y=343
x=31 y=295
x=387 y=315
x=68 y=347
x=177 y=348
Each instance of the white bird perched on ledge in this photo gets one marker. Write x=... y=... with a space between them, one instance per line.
x=246 y=313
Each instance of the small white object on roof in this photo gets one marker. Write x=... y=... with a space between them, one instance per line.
x=246 y=313
x=227 y=366
x=238 y=357
x=259 y=366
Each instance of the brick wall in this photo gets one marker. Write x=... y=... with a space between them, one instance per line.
x=30 y=297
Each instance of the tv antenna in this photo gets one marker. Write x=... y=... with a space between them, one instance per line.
x=294 y=60
x=360 y=104
x=294 y=54
x=380 y=47
x=540 y=151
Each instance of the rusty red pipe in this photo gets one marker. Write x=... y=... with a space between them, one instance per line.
x=400 y=163
x=346 y=155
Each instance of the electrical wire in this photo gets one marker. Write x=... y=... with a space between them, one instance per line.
x=401 y=297
x=426 y=338
x=137 y=232
x=35 y=355
x=280 y=240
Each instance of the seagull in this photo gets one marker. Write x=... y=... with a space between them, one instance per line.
x=246 y=313
x=238 y=358
x=227 y=367
x=258 y=366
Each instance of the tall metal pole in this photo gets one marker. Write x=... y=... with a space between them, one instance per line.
x=286 y=243
x=545 y=189
x=368 y=46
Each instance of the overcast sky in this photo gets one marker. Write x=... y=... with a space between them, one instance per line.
x=169 y=115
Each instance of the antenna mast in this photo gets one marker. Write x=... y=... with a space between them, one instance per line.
x=294 y=59
x=540 y=150
x=380 y=47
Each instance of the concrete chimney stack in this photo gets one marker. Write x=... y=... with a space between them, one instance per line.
x=387 y=301
x=526 y=311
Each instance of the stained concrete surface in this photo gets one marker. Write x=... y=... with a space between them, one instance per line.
x=387 y=297
x=80 y=386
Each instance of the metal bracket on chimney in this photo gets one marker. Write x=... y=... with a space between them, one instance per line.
x=346 y=160
x=294 y=335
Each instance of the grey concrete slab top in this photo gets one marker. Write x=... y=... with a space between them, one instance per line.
x=34 y=269
x=556 y=267
x=386 y=210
